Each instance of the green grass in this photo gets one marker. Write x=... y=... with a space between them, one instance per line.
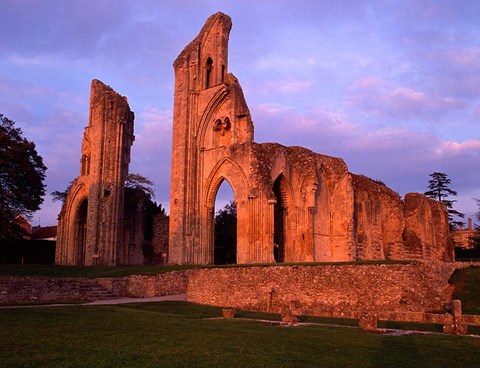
x=122 y=271
x=178 y=334
x=86 y=272
x=467 y=282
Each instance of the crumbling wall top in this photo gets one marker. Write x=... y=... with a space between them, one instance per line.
x=366 y=184
x=194 y=45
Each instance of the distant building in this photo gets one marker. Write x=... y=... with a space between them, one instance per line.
x=23 y=223
x=44 y=233
x=463 y=238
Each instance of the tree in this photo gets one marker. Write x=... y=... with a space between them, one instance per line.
x=22 y=174
x=58 y=196
x=137 y=181
x=133 y=181
x=441 y=191
x=476 y=237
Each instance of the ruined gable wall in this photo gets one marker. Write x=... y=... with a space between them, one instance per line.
x=426 y=234
x=379 y=220
x=200 y=93
x=318 y=200
x=339 y=213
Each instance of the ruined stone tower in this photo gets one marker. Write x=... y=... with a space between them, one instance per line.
x=210 y=119
x=92 y=219
x=293 y=205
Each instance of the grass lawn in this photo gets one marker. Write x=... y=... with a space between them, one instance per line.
x=17 y=270
x=176 y=334
x=54 y=271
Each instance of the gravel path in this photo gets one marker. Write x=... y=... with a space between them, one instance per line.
x=175 y=297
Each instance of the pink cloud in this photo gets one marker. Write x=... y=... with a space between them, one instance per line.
x=468 y=57
x=400 y=157
x=289 y=86
x=373 y=96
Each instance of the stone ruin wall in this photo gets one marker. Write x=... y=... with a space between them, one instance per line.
x=160 y=234
x=426 y=232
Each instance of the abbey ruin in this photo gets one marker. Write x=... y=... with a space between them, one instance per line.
x=293 y=205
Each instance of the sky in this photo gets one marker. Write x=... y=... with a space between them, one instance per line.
x=392 y=87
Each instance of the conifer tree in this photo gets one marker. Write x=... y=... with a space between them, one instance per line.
x=439 y=189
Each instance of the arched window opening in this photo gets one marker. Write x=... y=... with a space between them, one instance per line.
x=81 y=232
x=279 y=222
x=225 y=223
x=209 y=75
x=85 y=165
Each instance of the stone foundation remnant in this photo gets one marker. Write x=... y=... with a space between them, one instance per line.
x=293 y=205
x=453 y=324
x=229 y=313
x=368 y=322
x=288 y=317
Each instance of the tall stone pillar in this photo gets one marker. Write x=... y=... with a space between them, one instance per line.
x=91 y=221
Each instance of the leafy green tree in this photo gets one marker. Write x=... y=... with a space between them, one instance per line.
x=439 y=189
x=22 y=175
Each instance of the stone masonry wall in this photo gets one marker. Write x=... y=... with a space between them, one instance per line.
x=36 y=289
x=326 y=290
x=391 y=291
x=164 y=284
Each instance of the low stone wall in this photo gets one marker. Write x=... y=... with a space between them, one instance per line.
x=163 y=284
x=36 y=289
x=404 y=292
x=330 y=290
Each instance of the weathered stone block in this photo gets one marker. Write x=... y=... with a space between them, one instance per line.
x=368 y=322
x=229 y=313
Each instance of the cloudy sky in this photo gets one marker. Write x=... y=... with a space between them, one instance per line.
x=390 y=86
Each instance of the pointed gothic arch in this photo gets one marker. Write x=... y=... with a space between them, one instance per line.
x=225 y=170
x=282 y=237
x=80 y=232
x=208 y=72
x=225 y=229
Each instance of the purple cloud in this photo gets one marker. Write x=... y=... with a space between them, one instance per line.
x=376 y=97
